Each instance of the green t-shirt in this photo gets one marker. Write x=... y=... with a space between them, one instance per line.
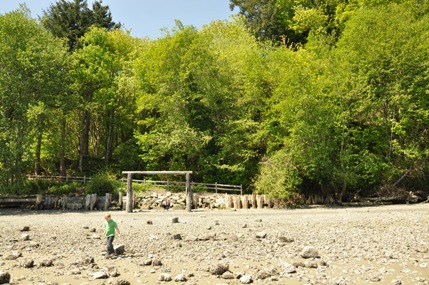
x=110 y=228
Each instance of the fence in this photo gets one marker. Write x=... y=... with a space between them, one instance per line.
x=216 y=187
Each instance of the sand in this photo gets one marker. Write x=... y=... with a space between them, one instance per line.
x=354 y=245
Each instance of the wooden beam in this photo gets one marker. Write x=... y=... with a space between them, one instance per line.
x=158 y=172
x=188 y=193
x=129 y=193
x=130 y=187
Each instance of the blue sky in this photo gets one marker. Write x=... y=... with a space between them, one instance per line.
x=145 y=17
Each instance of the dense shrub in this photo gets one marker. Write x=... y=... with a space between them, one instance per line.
x=102 y=183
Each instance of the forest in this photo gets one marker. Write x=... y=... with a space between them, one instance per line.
x=289 y=98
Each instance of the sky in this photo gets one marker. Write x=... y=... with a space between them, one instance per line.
x=145 y=18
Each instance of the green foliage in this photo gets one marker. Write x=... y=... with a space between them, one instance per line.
x=72 y=19
x=339 y=108
x=66 y=189
x=102 y=183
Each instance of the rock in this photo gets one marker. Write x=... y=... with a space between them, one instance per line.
x=288 y=268
x=310 y=264
x=87 y=260
x=95 y=236
x=175 y=220
x=46 y=263
x=219 y=269
x=33 y=244
x=246 y=279
x=149 y=222
x=283 y=239
x=165 y=277
x=309 y=252
x=227 y=275
x=4 y=277
x=265 y=274
x=25 y=237
x=119 y=282
x=119 y=249
x=146 y=262
x=15 y=255
x=25 y=229
x=261 y=234
x=156 y=262
x=180 y=278
x=177 y=237
x=100 y=275
x=27 y=263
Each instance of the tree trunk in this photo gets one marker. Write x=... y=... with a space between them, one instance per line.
x=37 y=168
x=84 y=139
x=62 y=147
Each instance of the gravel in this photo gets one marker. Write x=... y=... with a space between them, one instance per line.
x=317 y=245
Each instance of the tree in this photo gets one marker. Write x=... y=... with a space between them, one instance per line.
x=196 y=102
x=385 y=52
x=31 y=77
x=72 y=19
x=97 y=69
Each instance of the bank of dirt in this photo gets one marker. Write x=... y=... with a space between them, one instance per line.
x=359 y=245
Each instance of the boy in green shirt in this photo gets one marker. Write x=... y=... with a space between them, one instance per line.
x=110 y=229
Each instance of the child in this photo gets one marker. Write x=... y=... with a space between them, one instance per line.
x=167 y=204
x=110 y=229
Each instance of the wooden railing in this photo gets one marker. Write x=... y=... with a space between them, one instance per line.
x=210 y=187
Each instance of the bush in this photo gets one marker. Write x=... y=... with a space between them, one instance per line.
x=66 y=189
x=102 y=183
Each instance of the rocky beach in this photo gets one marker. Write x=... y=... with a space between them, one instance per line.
x=316 y=245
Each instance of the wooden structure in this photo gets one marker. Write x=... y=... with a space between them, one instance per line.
x=129 y=205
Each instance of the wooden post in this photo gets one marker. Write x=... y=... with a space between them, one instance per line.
x=188 y=193
x=107 y=201
x=129 y=193
x=120 y=202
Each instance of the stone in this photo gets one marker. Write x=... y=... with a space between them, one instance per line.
x=156 y=262
x=309 y=252
x=219 y=269
x=283 y=239
x=4 y=277
x=180 y=278
x=119 y=282
x=95 y=236
x=46 y=262
x=165 y=277
x=27 y=263
x=246 y=279
x=177 y=236
x=288 y=268
x=15 y=255
x=261 y=234
x=100 y=275
x=227 y=275
x=25 y=237
x=119 y=249
x=25 y=229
